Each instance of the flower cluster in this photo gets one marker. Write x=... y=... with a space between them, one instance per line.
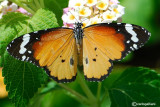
x=6 y=6
x=91 y=12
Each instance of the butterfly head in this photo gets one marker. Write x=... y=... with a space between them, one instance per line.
x=78 y=25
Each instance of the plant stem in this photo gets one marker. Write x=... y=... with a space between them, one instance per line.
x=33 y=6
x=42 y=3
x=99 y=90
x=77 y=96
x=105 y=95
x=85 y=87
x=38 y=6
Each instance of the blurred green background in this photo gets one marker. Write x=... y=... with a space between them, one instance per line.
x=145 y=13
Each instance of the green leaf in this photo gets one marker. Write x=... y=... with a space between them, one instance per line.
x=57 y=7
x=139 y=85
x=16 y=24
x=22 y=80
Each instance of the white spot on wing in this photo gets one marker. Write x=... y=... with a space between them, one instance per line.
x=128 y=41
x=36 y=32
x=26 y=39
x=29 y=52
x=23 y=58
x=149 y=33
x=129 y=29
x=135 y=46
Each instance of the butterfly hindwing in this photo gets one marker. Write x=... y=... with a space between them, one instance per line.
x=95 y=63
x=107 y=42
x=44 y=48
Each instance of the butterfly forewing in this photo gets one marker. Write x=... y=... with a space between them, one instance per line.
x=106 y=42
x=49 y=49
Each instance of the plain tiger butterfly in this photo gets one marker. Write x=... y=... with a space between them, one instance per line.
x=60 y=50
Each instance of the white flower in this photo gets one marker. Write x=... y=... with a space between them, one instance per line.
x=92 y=12
x=109 y=16
x=1 y=15
x=86 y=22
x=4 y=3
x=5 y=8
x=113 y=2
x=118 y=9
x=70 y=17
x=76 y=3
x=95 y=20
x=90 y=2
x=102 y=4
x=12 y=8
x=84 y=11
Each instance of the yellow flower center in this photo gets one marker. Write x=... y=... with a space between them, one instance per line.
x=101 y=5
x=82 y=12
x=94 y=22
x=109 y=16
x=10 y=9
x=84 y=25
x=78 y=4
x=115 y=10
x=90 y=1
x=71 y=17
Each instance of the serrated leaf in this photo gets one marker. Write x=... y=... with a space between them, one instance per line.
x=139 y=85
x=22 y=79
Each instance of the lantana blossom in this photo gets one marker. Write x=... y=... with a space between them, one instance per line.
x=92 y=12
x=5 y=7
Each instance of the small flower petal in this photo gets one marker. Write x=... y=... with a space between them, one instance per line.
x=76 y=3
x=113 y=2
x=84 y=11
x=90 y=2
x=118 y=9
x=102 y=4
x=95 y=20
x=109 y=16
x=70 y=17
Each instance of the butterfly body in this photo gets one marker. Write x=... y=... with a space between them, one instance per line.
x=60 y=50
x=78 y=34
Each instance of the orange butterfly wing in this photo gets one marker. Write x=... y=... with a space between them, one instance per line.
x=99 y=48
x=57 y=51
x=52 y=49
x=104 y=43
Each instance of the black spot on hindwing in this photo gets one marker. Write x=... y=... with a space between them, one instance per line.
x=62 y=60
x=71 y=61
x=94 y=60
x=86 y=60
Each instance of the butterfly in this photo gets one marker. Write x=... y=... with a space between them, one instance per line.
x=60 y=50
